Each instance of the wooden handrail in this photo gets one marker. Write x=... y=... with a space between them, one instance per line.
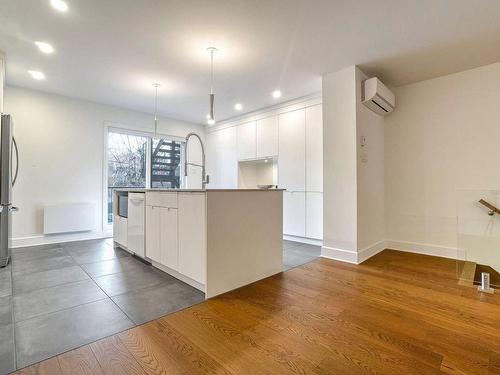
x=490 y=206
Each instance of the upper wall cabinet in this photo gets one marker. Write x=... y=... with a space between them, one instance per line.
x=222 y=159
x=267 y=137
x=314 y=148
x=292 y=151
x=246 y=134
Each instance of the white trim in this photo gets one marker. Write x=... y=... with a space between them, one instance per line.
x=352 y=256
x=309 y=241
x=348 y=256
x=57 y=238
x=427 y=249
x=289 y=106
x=371 y=250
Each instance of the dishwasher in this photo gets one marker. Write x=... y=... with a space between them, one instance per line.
x=136 y=209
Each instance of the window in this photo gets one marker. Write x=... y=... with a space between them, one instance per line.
x=136 y=160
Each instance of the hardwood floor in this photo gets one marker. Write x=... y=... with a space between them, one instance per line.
x=398 y=313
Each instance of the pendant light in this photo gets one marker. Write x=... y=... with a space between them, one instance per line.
x=211 y=96
x=156 y=85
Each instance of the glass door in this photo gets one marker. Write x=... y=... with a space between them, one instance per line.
x=127 y=156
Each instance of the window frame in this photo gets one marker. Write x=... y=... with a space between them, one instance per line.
x=107 y=228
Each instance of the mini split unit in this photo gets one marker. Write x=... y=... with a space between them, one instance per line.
x=378 y=97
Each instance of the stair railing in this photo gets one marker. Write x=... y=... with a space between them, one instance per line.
x=492 y=209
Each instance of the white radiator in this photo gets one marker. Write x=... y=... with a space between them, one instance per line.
x=66 y=218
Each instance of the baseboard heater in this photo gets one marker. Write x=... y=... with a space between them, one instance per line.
x=68 y=218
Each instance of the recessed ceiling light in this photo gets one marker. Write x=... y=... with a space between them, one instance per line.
x=211 y=121
x=238 y=107
x=60 y=5
x=44 y=47
x=276 y=94
x=36 y=74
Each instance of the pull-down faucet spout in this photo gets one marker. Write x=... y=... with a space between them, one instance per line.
x=204 y=178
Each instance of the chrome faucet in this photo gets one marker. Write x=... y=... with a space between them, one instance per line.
x=204 y=178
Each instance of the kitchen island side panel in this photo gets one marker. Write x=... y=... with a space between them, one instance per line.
x=244 y=238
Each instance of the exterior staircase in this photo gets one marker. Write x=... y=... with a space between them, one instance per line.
x=165 y=160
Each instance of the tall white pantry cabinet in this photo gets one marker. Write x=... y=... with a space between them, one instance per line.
x=300 y=171
x=293 y=137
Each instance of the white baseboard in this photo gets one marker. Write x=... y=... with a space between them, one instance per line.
x=427 y=249
x=57 y=238
x=310 y=241
x=348 y=256
x=352 y=256
x=371 y=250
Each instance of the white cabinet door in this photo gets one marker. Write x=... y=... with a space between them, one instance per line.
x=267 y=137
x=246 y=134
x=120 y=230
x=314 y=148
x=168 y=238
x=294 y=213
x=153 y=250
x=192 y=236
x=314 y=215
x=292 y=153
x=222 y=159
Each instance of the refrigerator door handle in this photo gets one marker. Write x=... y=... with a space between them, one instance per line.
x=17 y=161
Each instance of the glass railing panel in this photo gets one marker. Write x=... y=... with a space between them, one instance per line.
x=478 y=235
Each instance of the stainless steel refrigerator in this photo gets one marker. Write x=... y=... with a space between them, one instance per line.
x=8 y=176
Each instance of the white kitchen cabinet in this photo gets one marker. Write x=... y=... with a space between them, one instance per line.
x=314 y=149
x=246 y=134
x=153 y=230
x=294 y=213
x=314 y=215
x=267 y=137
x=120 y=229
x=161 y=199
x=222 y=159
x=292 y=151
x=135 y=223
x=192 y=236
x=169 y=247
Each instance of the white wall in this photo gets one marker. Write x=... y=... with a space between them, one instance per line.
x=353 y=176
x=443 y=138
x=61 y=144
x=370 y=174
x=339 y=163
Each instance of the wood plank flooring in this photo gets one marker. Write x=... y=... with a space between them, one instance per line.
x=398 y=313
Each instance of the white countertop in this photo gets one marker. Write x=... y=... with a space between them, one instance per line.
x=139 y=190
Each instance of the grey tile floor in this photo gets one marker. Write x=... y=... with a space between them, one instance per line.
x=296 y=254
x=54 y=298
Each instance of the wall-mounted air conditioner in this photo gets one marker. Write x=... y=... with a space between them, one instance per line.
x=378 y=97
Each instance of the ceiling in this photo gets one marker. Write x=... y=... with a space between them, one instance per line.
x=111 y=51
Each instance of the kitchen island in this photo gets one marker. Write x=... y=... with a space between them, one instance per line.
x=215 y=240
